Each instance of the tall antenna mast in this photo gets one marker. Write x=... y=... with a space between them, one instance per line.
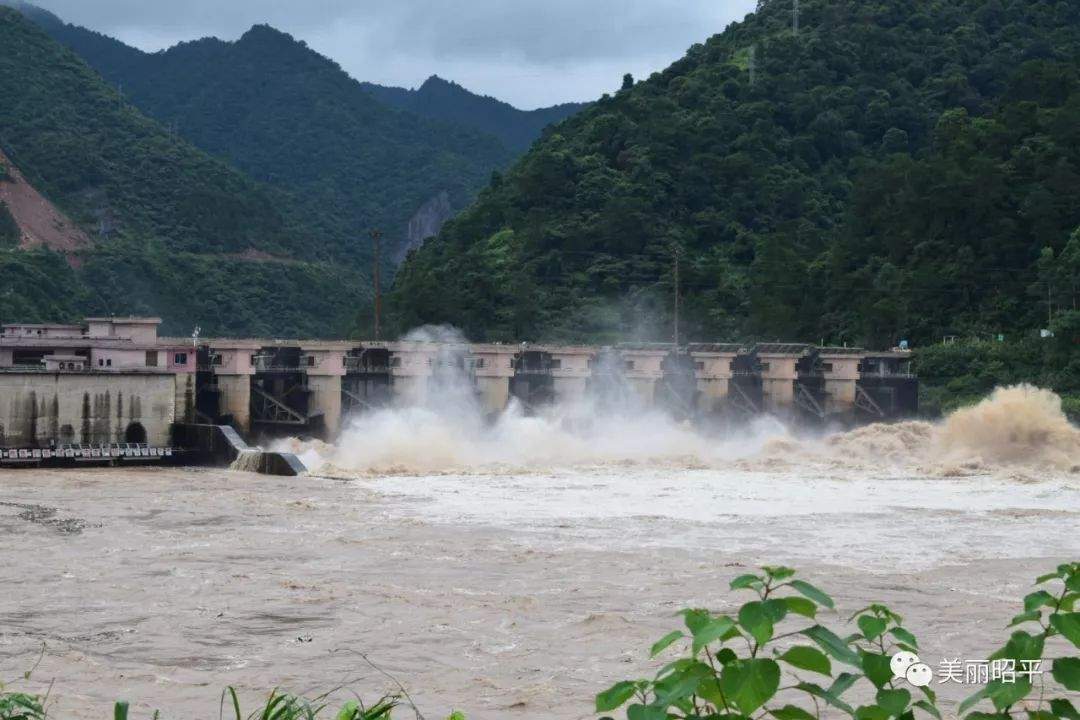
x=376 y=236
x=675 y=248
x=751 y=64
x=795 y=17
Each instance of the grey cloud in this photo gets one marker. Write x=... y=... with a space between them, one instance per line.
x=529 y=52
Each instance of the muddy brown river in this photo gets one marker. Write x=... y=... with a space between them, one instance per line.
x=503 y=585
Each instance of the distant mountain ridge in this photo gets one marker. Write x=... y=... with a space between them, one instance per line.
x=165 y=228
x=443 y=99
x=354 y=157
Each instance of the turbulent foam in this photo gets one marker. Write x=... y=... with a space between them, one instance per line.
x=1017 y=429
x=1020 y=425
x=423 y=440
x=247 y=461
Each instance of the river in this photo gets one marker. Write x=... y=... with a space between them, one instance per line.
x=514 y=571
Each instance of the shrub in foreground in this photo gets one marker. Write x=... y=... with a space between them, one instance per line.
x=774 y=658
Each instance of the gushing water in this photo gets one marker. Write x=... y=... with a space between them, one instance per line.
x=1017 y=428
x=247 y=461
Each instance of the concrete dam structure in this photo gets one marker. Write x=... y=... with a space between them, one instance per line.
x=113 y=380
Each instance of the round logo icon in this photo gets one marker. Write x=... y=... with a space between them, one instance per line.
x=900 y=663
x=907 y=666
x=919 y=674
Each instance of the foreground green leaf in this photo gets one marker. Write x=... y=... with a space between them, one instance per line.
x=808 y=658
x=1068 y=624
x=663 y=643
x=749 y=684
x=615 y=696
x=832 y=645
x=1067 y=672
x=813 y=593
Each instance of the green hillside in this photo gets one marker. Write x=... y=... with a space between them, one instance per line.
x=291 y=118
x=894 y=170
x=175 y=232
x=446 y=100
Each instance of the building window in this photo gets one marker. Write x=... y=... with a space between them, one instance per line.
x=180 y=359
x=479 y=362
x=699 y=365
x=253 y=359
x=311 y=361
x=108 y=362
x=151 y=358
x=395 y=362
x=764 y=367
x=217 y=360
x=827 y=367
x=628 y=364
x=556 y=363
x=100 y=362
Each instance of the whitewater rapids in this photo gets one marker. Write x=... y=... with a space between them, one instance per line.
x=513 y=569
x=1018 y=430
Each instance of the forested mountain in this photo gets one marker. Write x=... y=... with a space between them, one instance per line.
x=165 y=228
x=356 y=156
x=895 y=169
x=290 y=117
x=446 y=100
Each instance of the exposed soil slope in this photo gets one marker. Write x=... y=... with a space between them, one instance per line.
x=41 y=224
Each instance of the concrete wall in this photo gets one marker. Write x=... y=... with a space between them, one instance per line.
x=46 y=331
x=841 y=376
x=326 y=398
x=713 y=392
x=143 y=331
x=184 y=385
x=494 y=393
x=778 y=376
x=84 y=407
x=644 y=388
x=113 y=358
x=236 y=400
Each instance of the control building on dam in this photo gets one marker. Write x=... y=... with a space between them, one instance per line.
x=115 y=380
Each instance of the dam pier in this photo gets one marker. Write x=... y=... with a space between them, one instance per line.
x=113 y=381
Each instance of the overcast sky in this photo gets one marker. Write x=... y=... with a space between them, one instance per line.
x=528 y=52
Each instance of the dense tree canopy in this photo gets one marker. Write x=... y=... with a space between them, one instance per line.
x=175 y=232
x=895 y=170
x=350 y=155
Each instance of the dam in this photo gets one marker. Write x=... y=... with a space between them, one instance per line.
x=112 y=381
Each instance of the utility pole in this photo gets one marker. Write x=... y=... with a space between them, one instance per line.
x=675 y=249
x=795 y=17
x=751 y=64
x=376 y=236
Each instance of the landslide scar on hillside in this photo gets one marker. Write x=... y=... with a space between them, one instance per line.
x=40 y=222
